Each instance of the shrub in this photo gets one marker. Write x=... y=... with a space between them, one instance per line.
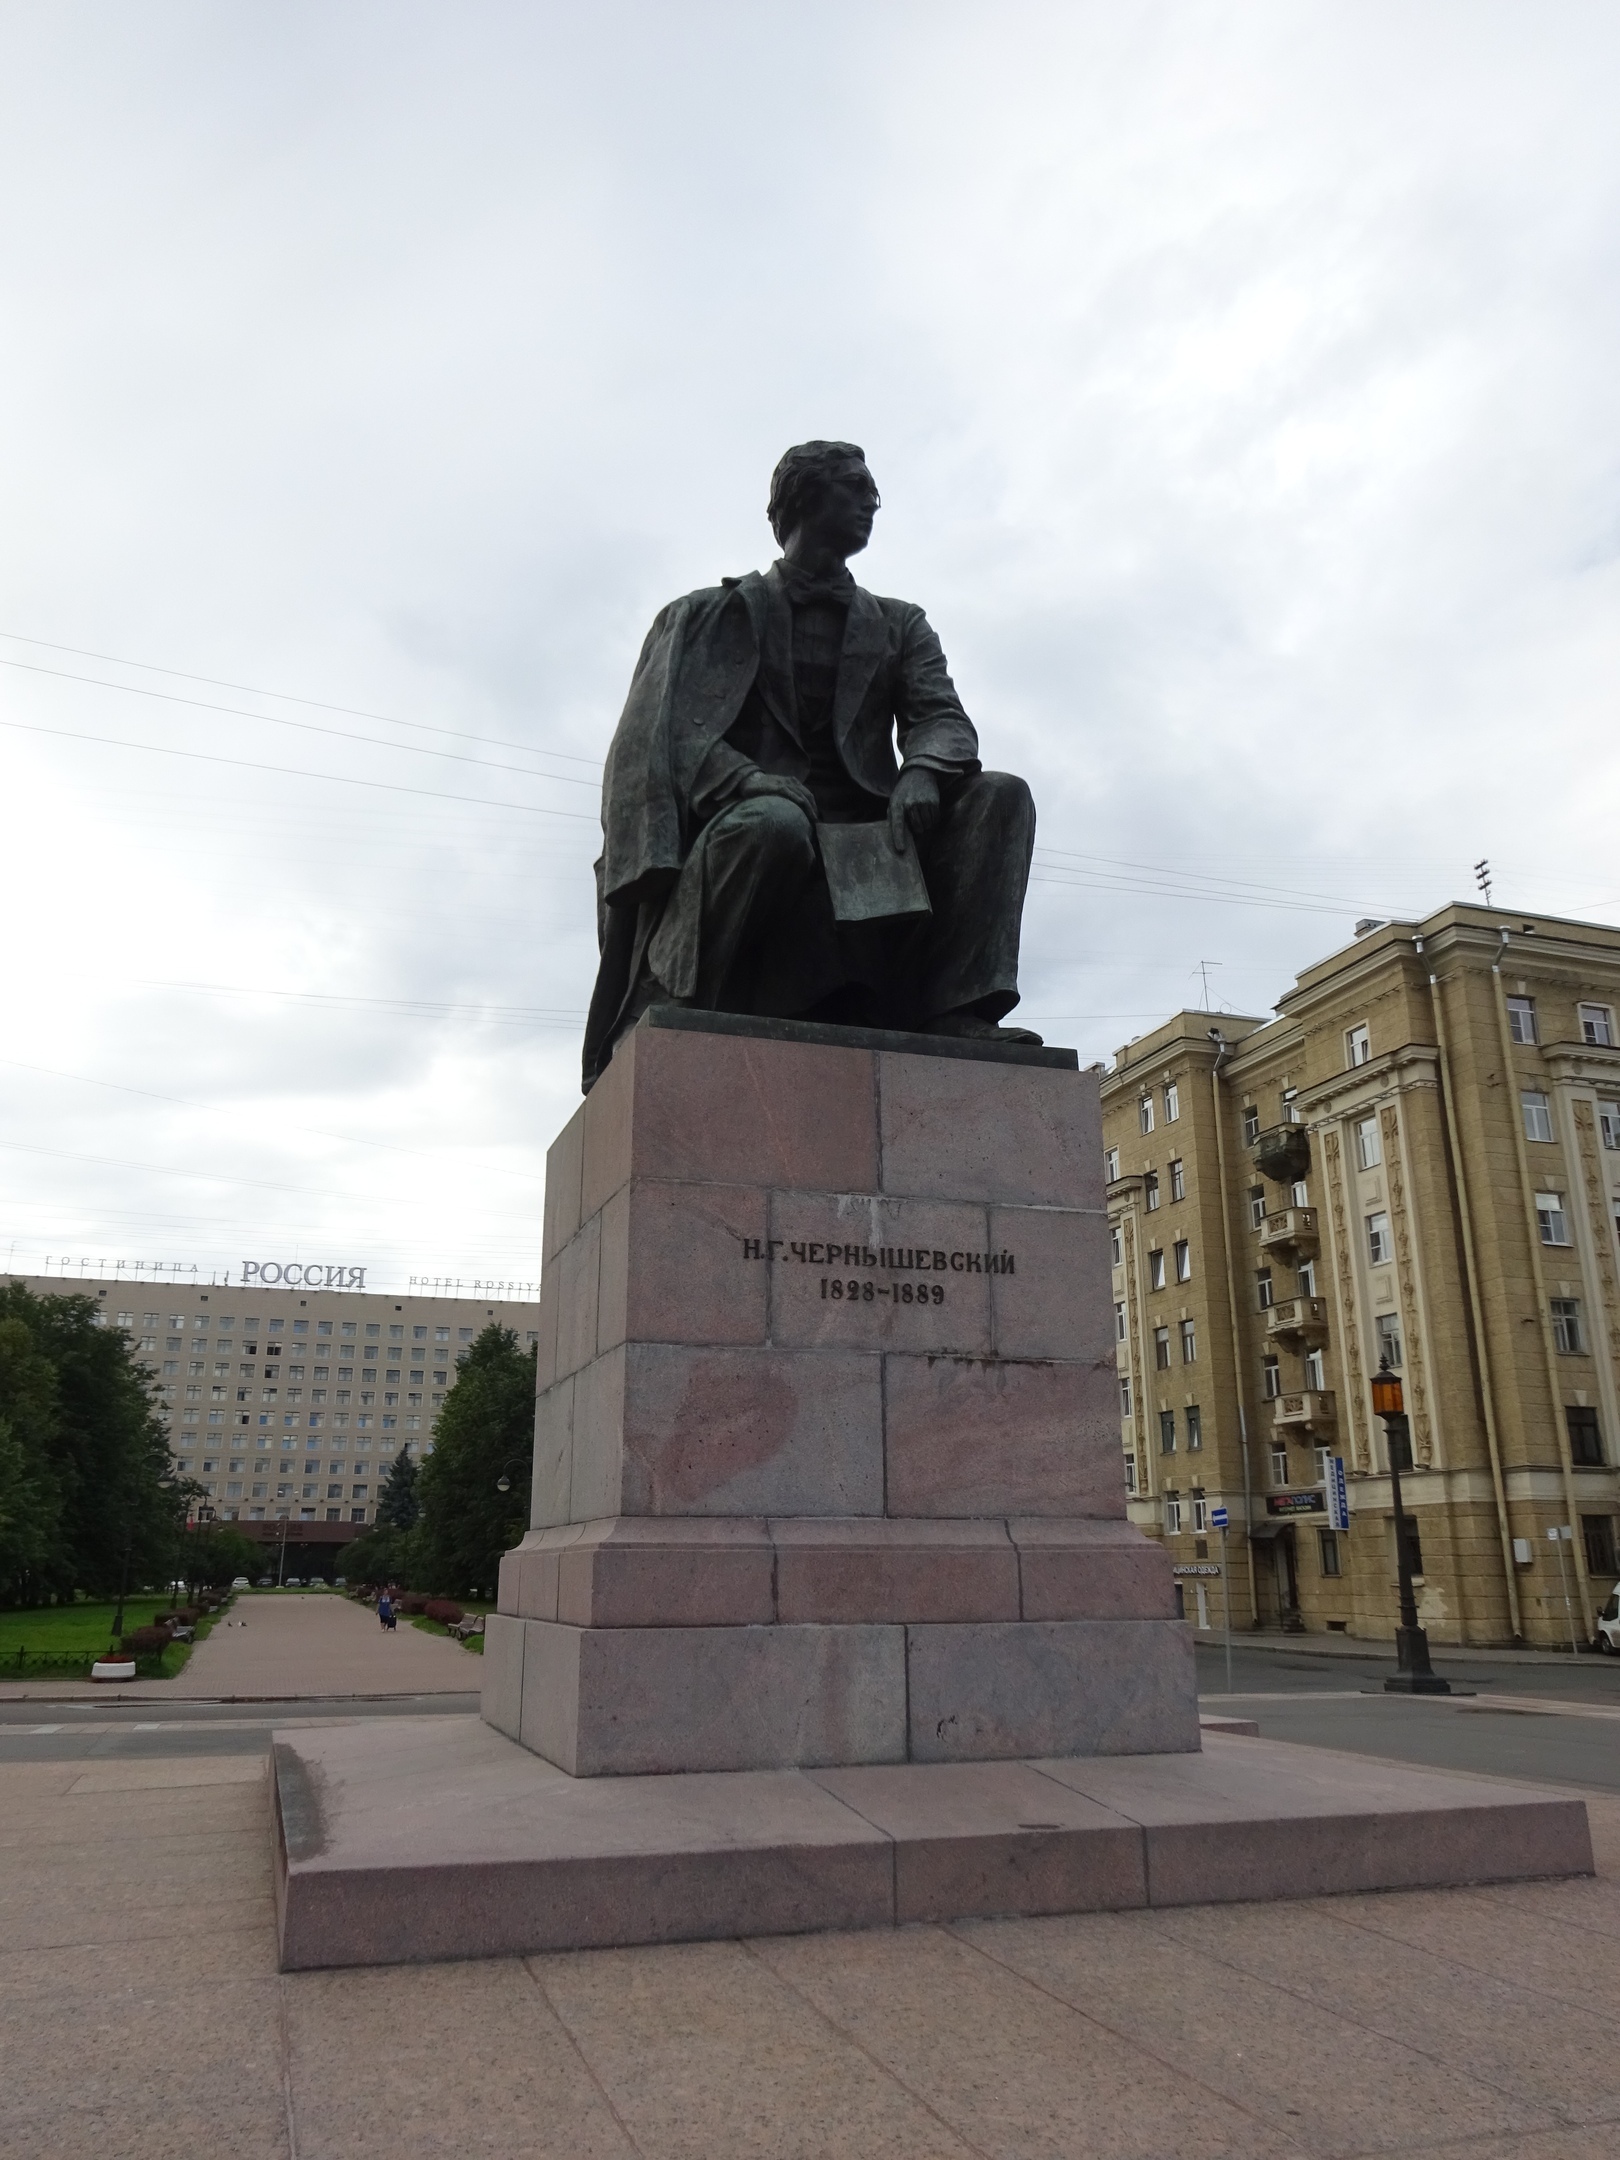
x=413 y=1603
x=445 y=1610
x=147 y=1642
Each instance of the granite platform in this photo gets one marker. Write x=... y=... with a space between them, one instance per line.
x=433 y=1838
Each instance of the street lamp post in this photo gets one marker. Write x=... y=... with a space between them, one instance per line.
x=1414 y=1675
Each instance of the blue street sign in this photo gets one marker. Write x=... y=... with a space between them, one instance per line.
x=1338 y=1497
x=1218 y=1518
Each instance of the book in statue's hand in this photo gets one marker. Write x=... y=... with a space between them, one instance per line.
x=868 y=881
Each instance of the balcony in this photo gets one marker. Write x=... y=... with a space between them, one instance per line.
x=1308 y=1412
x=1298 y=1319
x=1290 y=1230
x=1283 y=1153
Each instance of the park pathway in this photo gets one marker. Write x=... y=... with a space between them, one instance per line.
x=279 y=1644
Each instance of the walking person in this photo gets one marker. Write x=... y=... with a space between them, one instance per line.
x=385 y=1613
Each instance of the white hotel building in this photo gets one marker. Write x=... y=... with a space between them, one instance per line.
x=288 y=1404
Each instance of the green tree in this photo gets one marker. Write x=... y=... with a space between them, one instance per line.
x=484 y=1434
x=30 y=1497
x=219 y=1554
x=96 y=1478
x=398 y=1507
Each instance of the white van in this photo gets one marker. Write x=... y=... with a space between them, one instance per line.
x=1608 y=1624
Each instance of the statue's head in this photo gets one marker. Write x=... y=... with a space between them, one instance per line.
x=808 y=474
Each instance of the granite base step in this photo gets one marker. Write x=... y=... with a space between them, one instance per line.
x=434 y=1838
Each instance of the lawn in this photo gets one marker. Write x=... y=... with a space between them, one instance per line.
x=469 y=1606
x=82 y=1633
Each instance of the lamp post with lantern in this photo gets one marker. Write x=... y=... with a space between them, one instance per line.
x=1414 y=1675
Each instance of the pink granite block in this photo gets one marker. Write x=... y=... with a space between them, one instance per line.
x=1265 y=1820
x=970 y=1436
x=501 y=1677
x=1057 y=1302
x=607 y=1121
x=439 y=1839
x=959 y=1130
x=596 y=1486
x=545 y=1368
x=819 y=1247
x=640 y=1701
x=578 y=1268
x=727 y=1109
x=1051 y=1687
x=562 y=1209
x=750 y=1432
x=1089 y=1570
x=872 y=1569
x=975 y=1840
x=552 y=1475
x=684 y=1264
x=528 y=1577
x=662 y=1571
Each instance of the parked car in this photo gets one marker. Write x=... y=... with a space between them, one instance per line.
x=265 y=1582
x=1608 y=1624
x=291 y=1582
x=240 y=1582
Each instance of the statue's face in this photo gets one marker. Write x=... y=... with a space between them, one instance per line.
x=840 y=516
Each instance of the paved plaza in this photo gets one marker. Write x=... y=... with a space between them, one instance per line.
x=144 y=2016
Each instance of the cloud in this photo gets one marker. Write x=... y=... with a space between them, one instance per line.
x=1239 y=381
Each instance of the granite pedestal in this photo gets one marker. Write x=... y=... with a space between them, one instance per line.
x=829 y=1614
x=827 y=1462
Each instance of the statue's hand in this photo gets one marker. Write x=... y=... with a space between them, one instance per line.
x=770 y=783
x=914 y=804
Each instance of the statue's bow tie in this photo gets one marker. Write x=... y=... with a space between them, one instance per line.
x=837 y=590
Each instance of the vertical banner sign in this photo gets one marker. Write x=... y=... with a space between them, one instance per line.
x=1338 y=1497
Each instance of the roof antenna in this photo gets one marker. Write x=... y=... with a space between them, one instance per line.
x=1482 y=877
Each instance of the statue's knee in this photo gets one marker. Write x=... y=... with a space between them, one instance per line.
x=781 y=830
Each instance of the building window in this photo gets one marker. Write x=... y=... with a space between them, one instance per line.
x=1327 y=1548
x=1156 y=1270
x=1300 y=1193
x=1150 y=1191
x=1609 y=1122
x=1290 y=1106
x=1189 y=1342
x=1566 y=1323
x=1172 y=1092
x=1324 y=1465
x=1144 y=1113
x=1585 y=1441
x=1270 y=1379
x=1389 y=1341
x=1316 y=1370
x=1597 y=1532
x=1536 y=1111
x=1251 y=1124
x=1172 y=1514
x=1161 y=1349
x=1116 y=1248
x=1358 y=1046
x=1379 y=1250
x=1178 y=1179
x=1195 y=1427
x=1130 y=1473
x=1279 y=1466
x=1265 y=1296
x=1125 y=1395
x=1119 y=1323
x=1200 y=1511
x=1167 y=1432
x=1597 y=1025
x=1522 y=1019
x=1306 y=1277
x=1111 y=1164
x=1183 y=1260
x=1551 y=1220
x=1257 y=1207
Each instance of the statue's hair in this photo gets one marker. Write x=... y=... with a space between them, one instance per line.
x=799 y=475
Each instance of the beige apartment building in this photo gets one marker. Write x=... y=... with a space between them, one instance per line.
x=1418 y=1160
x=287 y=1403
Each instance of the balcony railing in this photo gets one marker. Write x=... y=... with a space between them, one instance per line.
x=1290 y=1230
x=1298 y=1319
x=1311 y=1411
x=1283 y=1153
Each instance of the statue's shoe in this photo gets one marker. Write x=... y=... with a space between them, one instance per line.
x=974 y=1029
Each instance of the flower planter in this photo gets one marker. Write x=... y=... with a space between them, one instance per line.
x=113 y=1669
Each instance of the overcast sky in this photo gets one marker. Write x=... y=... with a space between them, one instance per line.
x=1243 y=383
